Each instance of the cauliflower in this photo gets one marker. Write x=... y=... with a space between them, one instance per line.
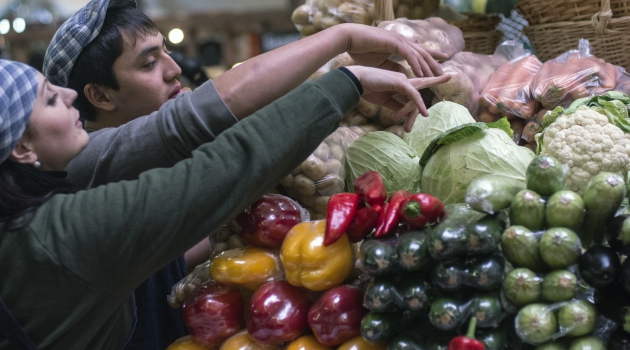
x=588 y=144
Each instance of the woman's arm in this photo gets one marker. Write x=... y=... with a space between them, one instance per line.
x=265 y=78
x=115 y=236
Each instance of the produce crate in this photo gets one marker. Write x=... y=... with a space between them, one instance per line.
x=609 y=37
x=479 y=32
x=477 y=22
x=482 y=42
x=550 y=11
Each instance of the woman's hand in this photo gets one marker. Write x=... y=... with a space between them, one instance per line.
x=371 y=46
x=387 y=88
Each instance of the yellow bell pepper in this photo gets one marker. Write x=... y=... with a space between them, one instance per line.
x=359 y=343
x=247 y=267
x=306 y=342
x=242 y=341
x=187 y=343
x=308 y=263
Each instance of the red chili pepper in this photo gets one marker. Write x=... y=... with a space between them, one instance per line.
x=421 y=209
x=341 y=210
x=467 y=342
x=380 y=221
x=363 y=223
x=391 y=215
x=371 y=187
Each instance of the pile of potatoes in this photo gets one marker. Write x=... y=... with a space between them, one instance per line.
x=316 y=15
x=322 y=174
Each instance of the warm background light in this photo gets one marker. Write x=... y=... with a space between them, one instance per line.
x=176 y=36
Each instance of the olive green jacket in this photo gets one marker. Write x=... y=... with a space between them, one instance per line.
x=68 y=276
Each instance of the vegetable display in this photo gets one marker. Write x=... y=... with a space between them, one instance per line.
x=462 y=234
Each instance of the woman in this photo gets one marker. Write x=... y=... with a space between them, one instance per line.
x=70 y=261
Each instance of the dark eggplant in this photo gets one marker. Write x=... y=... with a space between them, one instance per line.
x=599 y=266
x=449 y=276
x=487 y=273
x=619 y=340
x=614 y=304
x=618 y=234
x=625 y=275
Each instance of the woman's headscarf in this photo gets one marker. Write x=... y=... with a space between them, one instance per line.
x=18 y=90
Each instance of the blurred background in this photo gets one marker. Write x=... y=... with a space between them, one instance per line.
x=213 y=34
x=205 y=36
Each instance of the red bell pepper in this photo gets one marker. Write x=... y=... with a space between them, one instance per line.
x=391 y=215
x=364 y=222
x=421 y=209
x=467 y=342
x=336 y=316
x=371 y=187
x=380 y=221
x=268 y=220
x=341 y=210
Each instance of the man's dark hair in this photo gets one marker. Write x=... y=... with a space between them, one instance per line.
x=95 y=63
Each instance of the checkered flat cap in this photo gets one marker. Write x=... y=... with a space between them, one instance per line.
x=18 y=90
x=74 y=35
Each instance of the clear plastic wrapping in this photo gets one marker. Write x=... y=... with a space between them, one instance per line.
x=200 y=275
x=448 y=313
x=508 y=92
x=573 y=75
x=322 y=174
x=540 y=323
x=471 y=73
x=316 y=15
x=433 y=33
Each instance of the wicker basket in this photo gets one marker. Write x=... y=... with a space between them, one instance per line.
x=550 y=11
x=610 y=37
x=482 y=42
x=477 y=22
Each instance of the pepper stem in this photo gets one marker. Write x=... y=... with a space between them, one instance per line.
x=412 y=209
x=471 y=328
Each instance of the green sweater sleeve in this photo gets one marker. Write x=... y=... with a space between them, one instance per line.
x=115 y=236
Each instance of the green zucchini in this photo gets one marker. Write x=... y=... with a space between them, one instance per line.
x=603 y=196
x=492 y=193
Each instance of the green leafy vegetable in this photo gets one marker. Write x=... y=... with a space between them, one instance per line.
x=389 y=155
x=613 y=104
x=442 y=117
x=452 y=135
x=502 y=124
x=451 y=168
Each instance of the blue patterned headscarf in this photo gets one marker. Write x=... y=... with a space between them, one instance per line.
x=74 y=35
x=18 y=91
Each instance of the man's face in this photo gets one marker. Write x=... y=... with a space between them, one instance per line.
x=147 y=77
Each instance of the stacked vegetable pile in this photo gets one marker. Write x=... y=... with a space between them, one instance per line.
x=316 y=15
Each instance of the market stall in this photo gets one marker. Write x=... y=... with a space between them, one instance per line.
x=500 y=221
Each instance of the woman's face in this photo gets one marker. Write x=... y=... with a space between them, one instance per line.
x=54 y=133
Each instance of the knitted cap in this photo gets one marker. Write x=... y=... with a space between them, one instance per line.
x=18 y=91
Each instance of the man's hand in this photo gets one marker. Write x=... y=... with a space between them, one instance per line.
x=381 y=86
x=371 y=46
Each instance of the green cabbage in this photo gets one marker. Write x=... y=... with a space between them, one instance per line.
x=389 y=155
x=452 y=167
x=442 y=116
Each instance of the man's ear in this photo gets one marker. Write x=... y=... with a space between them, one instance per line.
x=98 y=97
x=23 y=152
